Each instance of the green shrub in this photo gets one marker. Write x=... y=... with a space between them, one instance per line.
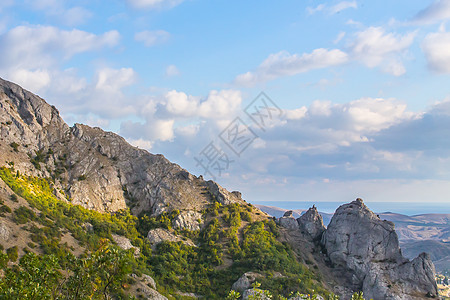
x=12 y=253
x=23 y=214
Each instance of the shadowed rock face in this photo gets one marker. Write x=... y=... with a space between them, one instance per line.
x=96 y=169
x=312 y=223
x=356 y=239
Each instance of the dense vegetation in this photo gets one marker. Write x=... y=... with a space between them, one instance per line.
x=229 y=245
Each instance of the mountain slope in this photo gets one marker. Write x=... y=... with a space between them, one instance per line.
x=96 y=169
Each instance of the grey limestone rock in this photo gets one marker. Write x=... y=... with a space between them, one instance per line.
x=124 y=243
x=288 y=222
x=245 y=282
x=312 y=223
x=158 y=235
x=5 y=232
x=358 y=240
x=190 y=220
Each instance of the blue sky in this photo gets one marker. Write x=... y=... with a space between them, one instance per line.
x=362 y=87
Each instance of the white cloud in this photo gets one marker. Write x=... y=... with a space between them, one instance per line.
x=436 y=47
x=342 y=6
x=375 y=47
x=141 y=143
x=31 y=55
x=33 y=80
x=181 y=104
x=151 y=38
x=295 y=114
x=172 y=71
x=334 y=9
x=154 y=4
x=46 y=45
x=151 y=131
x=218 y=105
x=438 y=11
x=285 y=64
x=112 y=80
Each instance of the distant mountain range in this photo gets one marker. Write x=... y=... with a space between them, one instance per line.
x=421 y=233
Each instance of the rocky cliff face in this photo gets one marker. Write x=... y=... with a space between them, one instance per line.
x=368 y=248
x=91 y=167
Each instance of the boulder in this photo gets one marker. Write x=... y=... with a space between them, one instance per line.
x=245 y=282
x=125 y=243
x=255 y=294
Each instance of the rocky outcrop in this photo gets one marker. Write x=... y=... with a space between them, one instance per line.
x=288 y=221
x=245 y=282
x=5 y=232
x=96 y=169
x=221 y=195
x=190 y=220
x=311 y=222
x=146 y=288
x=125 y=243
x=158 y=235
x=359 y=241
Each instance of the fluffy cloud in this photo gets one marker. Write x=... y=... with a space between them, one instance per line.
x=154 y=4
x=438 y=11
x=436 y=47
x=46 y=45
x=375 y=47
x=152 y=130
x=151 y=38
x=34 y=63
x=285 y=64
x=217 y=105
x=113 y=80
x=334 y=9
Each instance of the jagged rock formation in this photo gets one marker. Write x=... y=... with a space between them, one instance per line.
x=94 y=168
x=312 y=223
x=359 y=241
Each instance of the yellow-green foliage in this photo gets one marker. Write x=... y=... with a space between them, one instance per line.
x=176 y=266
x=57 y=213
x=97 y=276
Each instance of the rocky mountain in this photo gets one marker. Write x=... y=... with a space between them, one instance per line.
x=417 y=234
x=84 y=200
x=357 y=239
x=364 y=251
x=96 y=169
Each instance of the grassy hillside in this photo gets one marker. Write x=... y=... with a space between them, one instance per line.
x=57 y=247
